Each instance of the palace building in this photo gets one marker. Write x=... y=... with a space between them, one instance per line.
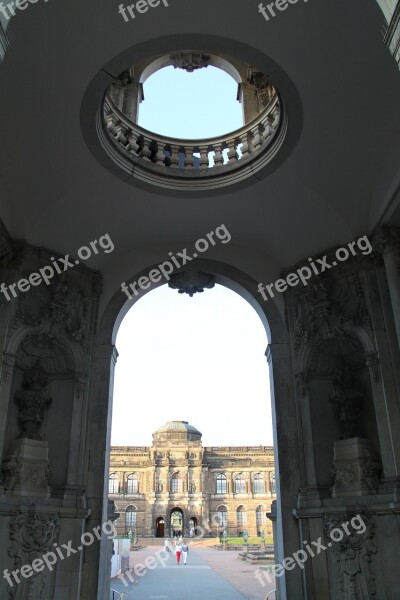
x=177 y=484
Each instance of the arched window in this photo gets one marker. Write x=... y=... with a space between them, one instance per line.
x=222 y=516
x=241 y=516
x=221 y=484
x=260 y=516
x=259 y=484
x=113 y=484
x=132 y=484
x=240 y=484
x=131 y=516
x=176 y=484
x=273 y=484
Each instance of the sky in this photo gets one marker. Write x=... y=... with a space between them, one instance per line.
x=199 y=359
x=190 y=105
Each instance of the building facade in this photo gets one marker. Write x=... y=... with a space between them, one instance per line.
x=179 y=485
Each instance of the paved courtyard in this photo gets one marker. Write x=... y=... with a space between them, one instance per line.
x=210 y=574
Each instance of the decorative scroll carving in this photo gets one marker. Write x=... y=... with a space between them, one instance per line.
x=190 y=61
x=354 y=555
x=32 y=535
x=191 y=282
x=32 y=402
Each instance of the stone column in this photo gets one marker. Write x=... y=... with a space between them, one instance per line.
x=287 y=460
x=387 y=241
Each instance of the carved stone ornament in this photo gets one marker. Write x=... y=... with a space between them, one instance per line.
x=355 y=469
x=387 y=239
x=32 y=535
x=264 y=89
x=354 y=556
x=348 y=402
x=61 y=308
x=32 y=402
x=328 y=306
x=190 y=61
x=191 y=282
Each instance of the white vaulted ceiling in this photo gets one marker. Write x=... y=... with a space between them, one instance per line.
x=339 y=180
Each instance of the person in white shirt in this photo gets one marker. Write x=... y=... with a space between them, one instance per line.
x=185 y=550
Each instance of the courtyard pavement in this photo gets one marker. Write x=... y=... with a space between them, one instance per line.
x=210 y=574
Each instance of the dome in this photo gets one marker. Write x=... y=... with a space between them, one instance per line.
x=179 y=430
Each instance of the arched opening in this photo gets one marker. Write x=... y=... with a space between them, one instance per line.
x=160 y=527
x=246 y=288
x=177 y=523
x=193 y=522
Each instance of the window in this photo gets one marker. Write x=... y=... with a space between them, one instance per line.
x=221 y=484
x=240 y=484
x=259 y=485
x=132 y=484
x=222 y=516
x=241 y=516
x=260 y=516
x=273 y=484
x=113 y=484
x=176 y=484
x=130 y=516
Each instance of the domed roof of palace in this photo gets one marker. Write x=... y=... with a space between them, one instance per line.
x=177 y=429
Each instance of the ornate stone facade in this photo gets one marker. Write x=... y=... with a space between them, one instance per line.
x=178 y=478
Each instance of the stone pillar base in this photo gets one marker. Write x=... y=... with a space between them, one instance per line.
x=26 y=469
x=355 y=467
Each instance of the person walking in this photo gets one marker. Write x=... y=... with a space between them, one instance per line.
x=167 y=545
x=185 y=551
x=178 y=552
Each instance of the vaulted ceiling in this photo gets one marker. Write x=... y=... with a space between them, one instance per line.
x=340 y=179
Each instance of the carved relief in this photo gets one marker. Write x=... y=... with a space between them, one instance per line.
x=354 y=556
x=348 y=402
x=190 y=61
x=328 y=306
x=33 y=402
x=191 y=282
x=32 y=535
x=56 y=309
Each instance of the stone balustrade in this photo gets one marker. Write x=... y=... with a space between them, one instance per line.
x=132 y=146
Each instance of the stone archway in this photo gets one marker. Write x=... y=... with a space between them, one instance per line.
x=282 y=397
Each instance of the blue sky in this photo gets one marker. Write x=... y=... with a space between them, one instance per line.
x=190 y=105
x=197 y=359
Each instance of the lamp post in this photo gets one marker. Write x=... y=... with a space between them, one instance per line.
x=224 y=535
x=263 y=540
x=246 y=538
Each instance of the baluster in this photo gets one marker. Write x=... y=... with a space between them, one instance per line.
x=231 y=154
x=250 y=142
x=204 y=160
x=189 y=158
x=174 y=156
x=218 y=158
